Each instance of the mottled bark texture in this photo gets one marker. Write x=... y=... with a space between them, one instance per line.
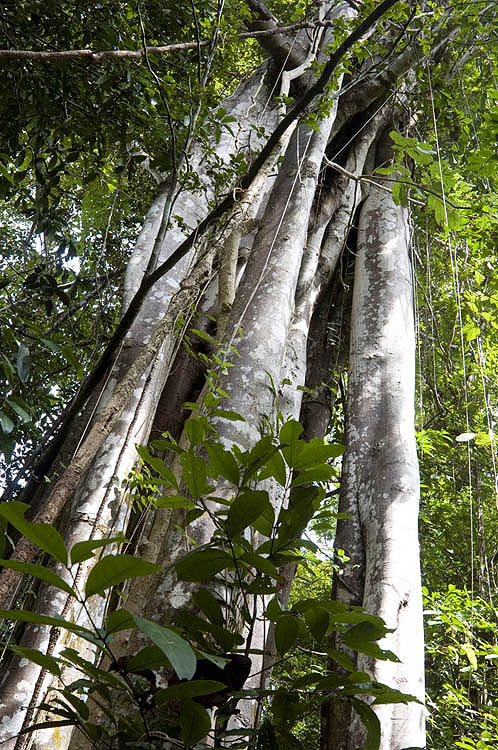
x=286 y=287
x=380 y=479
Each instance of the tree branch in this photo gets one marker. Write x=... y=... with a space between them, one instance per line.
x=97 y=56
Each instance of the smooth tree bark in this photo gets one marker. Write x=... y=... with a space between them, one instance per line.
x=380 y=478
x=312 y=207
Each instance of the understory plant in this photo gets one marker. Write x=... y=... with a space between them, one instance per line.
x=180 y=689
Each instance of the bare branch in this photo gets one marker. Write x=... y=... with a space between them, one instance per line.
x=139 y=54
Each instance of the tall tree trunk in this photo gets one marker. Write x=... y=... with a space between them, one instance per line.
x=380 y=480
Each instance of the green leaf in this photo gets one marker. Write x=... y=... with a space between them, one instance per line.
x=317 y=619
x=245 y=509
x=273 y=610
x=174 y=501
x=259 y=455
x=195 y=723
x=43 y=660
x=114 y=569
x=118 y=620
x=470 y=653
x=361 y=638
x=202 y=564
x=262 y=564
x=194 y=474
x=341 y=658
x=6 y=423
x=286 y=631
x=195 y=429
x=316 y=452
x=43 y=535
x=178 y=651
x=84 y=550
x=39 y=571
x=149 y=657
x=19 y=410
x=223 y=463
x=275 y=467
x=209 y=605
x=323 y=473
x=191 y=689
x=23 y=362
x=58 y=622
x=157 y=464
x=290 y=432
x=79 y=706
x=370 y=722
x=264 y=523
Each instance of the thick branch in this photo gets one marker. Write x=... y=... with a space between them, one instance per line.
x=139 y=54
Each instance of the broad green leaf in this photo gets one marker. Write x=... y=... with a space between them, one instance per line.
x=275 y=467
x=43 y=535
x=223 y=463
x=43 y=660
x=19 y=410
x=385 y=694
x=273 y=610
x=87 y=667
x=264 y=523
x=323 y=473
x=317 y=619
x=362 y=638
x=316 y=452
x=191 y=689
x=79 y=706
x=114 y=569
x=196 y=430
x=195 y=723
x=209 y=605
x=290 y=432
x=370 y=722
x=23 y=362
x=262 y=564
x=245 y=509
x=470 y=653
x=341 y=658
x=178 y=651
x=194 y=474
x=39 y=571
x=202 y=564
x=286 y=631
x=259 y=455
x=174 y=501
x=149 y=657
x=6 y=423
x=157 y=464
x=58 y=622
x=118 y=620
x=84 y=550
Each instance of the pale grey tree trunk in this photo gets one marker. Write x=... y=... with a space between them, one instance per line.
x=380 y=480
